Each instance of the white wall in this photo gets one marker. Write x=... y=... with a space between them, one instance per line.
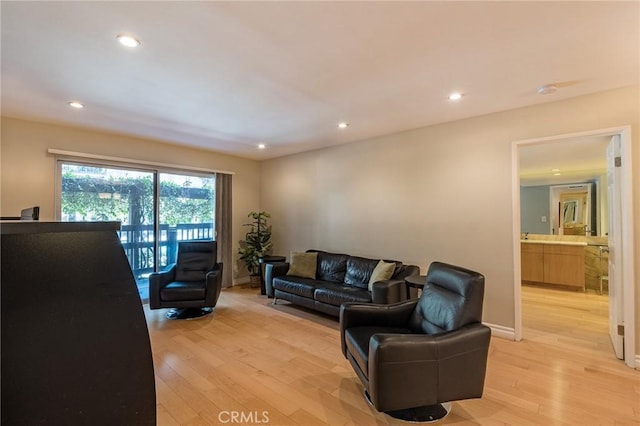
x=437 y=193
x=27 y=175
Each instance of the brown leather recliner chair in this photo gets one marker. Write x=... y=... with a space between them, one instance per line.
x=416 y=355
x=192 y=285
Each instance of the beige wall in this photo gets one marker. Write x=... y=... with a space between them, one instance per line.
x=27 y=176
x=437 y=193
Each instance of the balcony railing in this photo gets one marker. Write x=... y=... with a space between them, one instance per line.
x=138 y=243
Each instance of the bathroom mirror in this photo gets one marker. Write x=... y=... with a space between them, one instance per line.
x=550 y=168
x=571 y=209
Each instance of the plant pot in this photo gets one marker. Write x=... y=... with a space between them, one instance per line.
x=254 y=280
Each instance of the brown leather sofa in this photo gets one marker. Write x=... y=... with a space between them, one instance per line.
x=339 y=278
x=416 y=355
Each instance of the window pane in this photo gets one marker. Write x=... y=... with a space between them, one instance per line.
x=186 y=212
x=94 y=193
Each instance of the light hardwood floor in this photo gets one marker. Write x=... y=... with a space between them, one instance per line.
x=282 y=365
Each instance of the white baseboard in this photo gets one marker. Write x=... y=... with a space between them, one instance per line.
x=501 y=331
x=637 y=366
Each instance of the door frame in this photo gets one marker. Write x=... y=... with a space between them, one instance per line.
x=627 y=235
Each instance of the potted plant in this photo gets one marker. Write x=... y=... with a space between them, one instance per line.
x=256 y=244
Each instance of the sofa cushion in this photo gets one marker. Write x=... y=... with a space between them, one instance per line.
x=295 y=285
x=303 y=265
x=359 y=270
x=383 y=271
x=337 y=294
x=331 y=267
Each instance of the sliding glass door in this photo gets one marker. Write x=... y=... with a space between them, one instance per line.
x=94 y=193
x=186 y=211
x=183 y=205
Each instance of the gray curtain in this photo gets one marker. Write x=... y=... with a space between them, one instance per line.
x=223 y=226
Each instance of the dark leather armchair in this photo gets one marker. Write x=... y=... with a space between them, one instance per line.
x=413 y=356
x=192 y=285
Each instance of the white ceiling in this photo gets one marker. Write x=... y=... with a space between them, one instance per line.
x=578 y=159
x=227 y=76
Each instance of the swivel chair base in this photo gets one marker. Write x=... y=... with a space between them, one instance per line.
x=424 y=414
x=188 y=313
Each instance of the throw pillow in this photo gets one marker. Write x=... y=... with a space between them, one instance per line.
x=382 y=271
x=303 y=265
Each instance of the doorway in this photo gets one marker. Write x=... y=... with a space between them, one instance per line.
x=624 y=207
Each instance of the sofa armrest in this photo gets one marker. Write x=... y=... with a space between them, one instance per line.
x=158 y=280
x=388 y=291
x=272 y=270
x=406 y=271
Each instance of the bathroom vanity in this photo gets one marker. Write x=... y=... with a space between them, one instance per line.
x=555 y=263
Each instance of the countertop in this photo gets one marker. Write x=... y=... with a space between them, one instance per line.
x=557 y=243
x=8 y=227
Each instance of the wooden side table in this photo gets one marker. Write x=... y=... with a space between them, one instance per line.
x=263 y=261
x=415 y=281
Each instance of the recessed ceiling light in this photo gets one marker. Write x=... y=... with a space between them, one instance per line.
x=128 y=41
x=343 y=125
x=76 y=104
x=547 y=89
x=557 y=174
x=455 y=96
x=555 y=170
x=262 y=146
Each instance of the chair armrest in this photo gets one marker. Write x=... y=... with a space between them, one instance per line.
x=368 y=314
x=455 y=360
x=213 y=285
x=214 y=275
x=388 y=291
x=216 y=269
x=157 y=280
x=272 y=270
x=414 y=347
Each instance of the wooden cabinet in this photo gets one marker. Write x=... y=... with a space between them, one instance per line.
x=564 y=265
x=532 y=264
x=553 y=264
